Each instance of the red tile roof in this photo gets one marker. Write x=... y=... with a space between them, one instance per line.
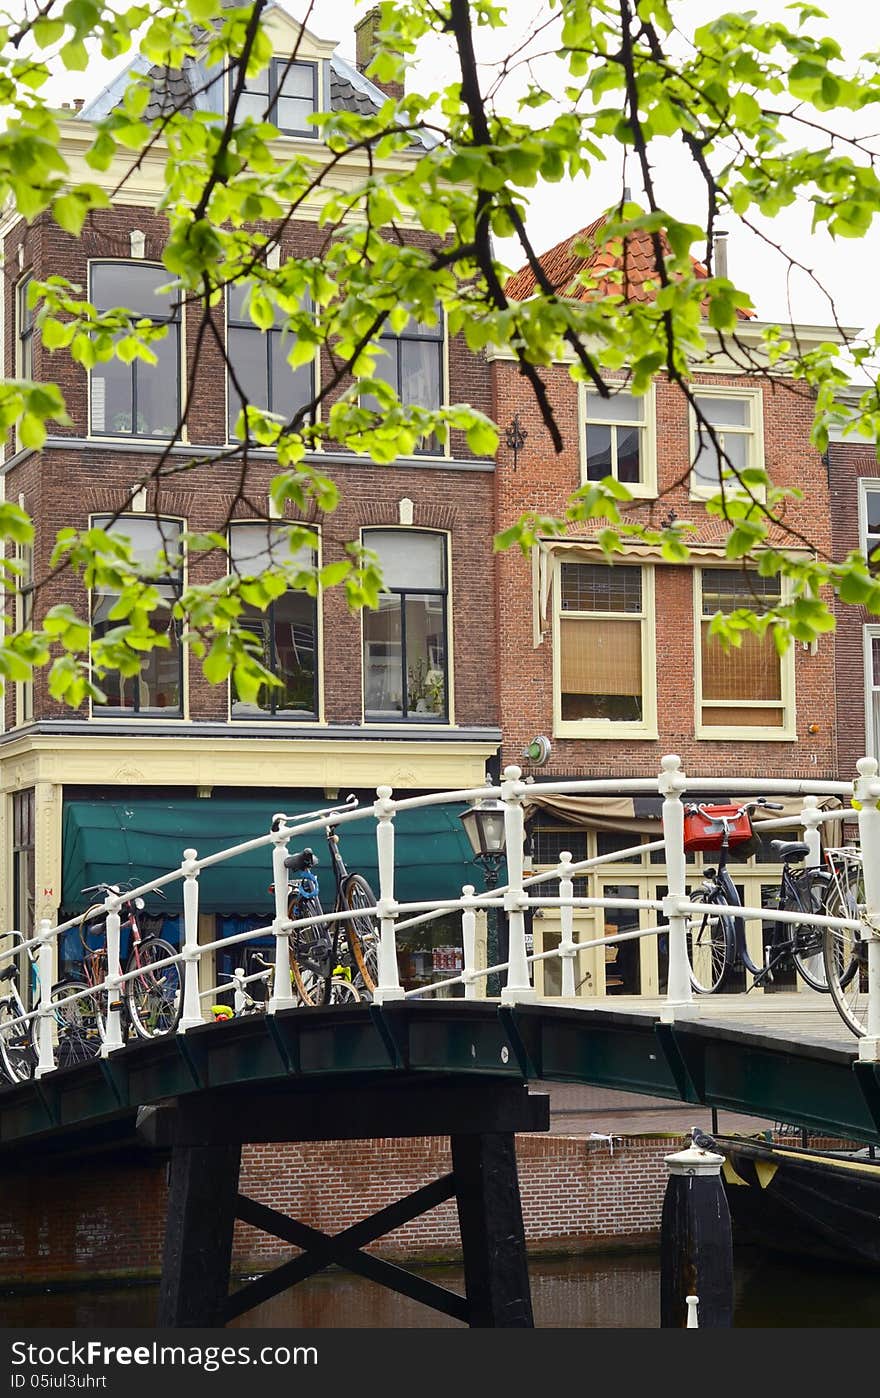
x=632 y=268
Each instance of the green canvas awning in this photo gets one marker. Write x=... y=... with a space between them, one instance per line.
x=125 y=841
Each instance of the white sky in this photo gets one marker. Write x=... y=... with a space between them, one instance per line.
x=847 y=268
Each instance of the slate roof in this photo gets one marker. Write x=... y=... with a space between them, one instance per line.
x=635 y=262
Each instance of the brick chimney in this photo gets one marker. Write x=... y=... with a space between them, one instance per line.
x=366 y=46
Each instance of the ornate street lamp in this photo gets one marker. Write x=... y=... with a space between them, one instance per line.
x=484 y=826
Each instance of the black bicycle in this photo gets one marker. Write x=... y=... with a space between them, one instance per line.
x=717 y=940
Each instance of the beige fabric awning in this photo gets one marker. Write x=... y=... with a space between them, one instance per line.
x=641 y=815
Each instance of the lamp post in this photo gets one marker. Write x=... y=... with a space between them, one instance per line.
x=484 y=826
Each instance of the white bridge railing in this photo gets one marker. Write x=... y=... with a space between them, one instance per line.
x=519 y=895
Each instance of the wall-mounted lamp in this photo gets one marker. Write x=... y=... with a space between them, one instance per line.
x=538 y=751
x=515 y=436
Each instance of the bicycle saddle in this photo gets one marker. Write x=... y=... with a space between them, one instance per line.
x=7 y=973
x=301 y=861
x=789 y=851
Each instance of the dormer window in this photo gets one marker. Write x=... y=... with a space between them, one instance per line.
x=285 y=93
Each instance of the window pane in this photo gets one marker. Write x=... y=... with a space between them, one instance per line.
x=622 y=959
x=291 y=388
x=745 y=717
x=409 y=559
x=133 y=286
x=156 y=688
x=620 y=407
x=157 y=389
x=707 y=465
x=598 y=452
x=291 y=114
x=749 y=671
x=420 y=377
x=721 y=412
x=254 y=105
x=111 y=398
x=383 y=680
x=247 y=355
x=259 y=83
x=589 y=587
x=872 y=510
x=628 y=466
x=728 y=589
x=425 y=657
x=255 y=547
x=152 y=541
x=296 y=80
x=601 y=670
x=294 y=634
x=875 y=659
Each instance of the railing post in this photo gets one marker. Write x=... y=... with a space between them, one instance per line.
x=239 y=1000
x=113 y=1030
x=46 y=962
x=866 y=792
x=811 y=821
x=282 y=997
x=389 y=987
x=469 y=942
x=519 y=986
x=191 y=1014
x=671 y=783
x=567 y=949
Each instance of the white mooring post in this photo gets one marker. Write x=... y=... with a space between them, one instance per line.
x=113 y=1033
x=282 y=997
x=469 y=942
x=679 y=994
x=811 y=820
x=692 y=1304
x=519 y=986
x=191 y=1015
x=46 y=963
x=389 y=987
x=866 y=791
x=567 y=948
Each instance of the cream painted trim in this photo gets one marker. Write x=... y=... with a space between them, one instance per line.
x=607 y=729
x=131 y=761
x=406 y=724
x=184 y=715
x=754 y=435
x=787 y=733
x=870 y=632
x=647 y=488
x=748 y=332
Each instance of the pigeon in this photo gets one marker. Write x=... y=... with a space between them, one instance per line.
x=701 y=1140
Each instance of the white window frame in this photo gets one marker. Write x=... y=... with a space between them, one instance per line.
x=870 y=632
x=646 y=489
x=868 y=485
x=787 y=732
x=754 y=435
x=24 y=619
x=605 y=727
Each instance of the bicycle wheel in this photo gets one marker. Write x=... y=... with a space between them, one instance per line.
x=16 y=1048
x=154 y=997
x=79 y=1023
x=845 y=954
x=342 y=992
x=711 y=945
x=810 y=892
x=362 y=929
x=311 y=955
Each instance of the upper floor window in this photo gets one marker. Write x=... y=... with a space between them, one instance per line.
x=412 y=363
x=749 y=686
x=604 y=671
x=619 y=440
x=869 y=519
x=286 y=632
x=284 y=93
x=735 y=417
x=405 y=640
x=25 y=323
x=258 y=362
x=157 y=688
x=872 y=690
x=137 y=399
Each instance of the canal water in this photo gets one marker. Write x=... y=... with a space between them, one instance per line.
x=611 y=1291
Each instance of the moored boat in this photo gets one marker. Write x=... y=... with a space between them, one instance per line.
x=799 y=1200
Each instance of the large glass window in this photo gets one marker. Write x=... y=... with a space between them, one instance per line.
x=137 y=399
x=25 y=321
x=872 y=690
x=869 y=521
x=602 y=670
x=619 y=439
x=745 y=686
x=412 y=363
x=405 y=640
x=735 y=421
x=287 y=631
x=157 y=689
x=258 y=360
x=285 y=93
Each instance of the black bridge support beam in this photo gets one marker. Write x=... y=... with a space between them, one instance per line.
x=493 y=1238
x=202 y=1196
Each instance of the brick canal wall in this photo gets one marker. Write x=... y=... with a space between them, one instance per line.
x=87 y=1221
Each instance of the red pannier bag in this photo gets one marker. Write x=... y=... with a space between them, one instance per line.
x=703 y=829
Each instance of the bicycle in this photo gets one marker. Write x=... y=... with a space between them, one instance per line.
x=717 y=941
x=246 y=1003
x=325 y=958
x=151 y=1001
x=19 y=1049
x=844 y=950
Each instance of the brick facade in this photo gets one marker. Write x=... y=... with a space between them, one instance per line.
x=850 y=461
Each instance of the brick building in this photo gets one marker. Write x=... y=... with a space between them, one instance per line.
x=613 y=664
x=405 y=695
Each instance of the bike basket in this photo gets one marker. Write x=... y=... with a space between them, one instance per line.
x=704 y=830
